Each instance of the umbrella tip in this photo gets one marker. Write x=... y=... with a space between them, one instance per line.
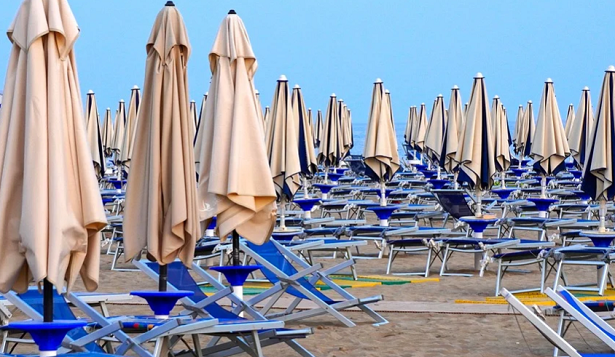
x=386 y=91
x=440 y=96
x=479 y=75
x=206 y=94
x=282 y=79
x=529 y=102
x=90 y=92
x=297 y=86
x=333 y=95
x=232 y=12
x=121 y=100
x=496 y=97
x=169 y=3
x=586 y=88
x=108 y=109
x=193 y=101
x=549 y=80
x=255 y=92
x=611 y=68
x=378 y=80
x=135 y=87
x=455 y=87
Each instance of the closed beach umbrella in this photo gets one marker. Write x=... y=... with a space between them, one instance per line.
x=161 y=200
x=451 y=135
x=435 y=131
x=408 y=129
x=50 y=207
x=501 y=136
x=131 y=125
x=266 y=117
x=234 y=176
x=330 y=154
x=598 y=173
x=194 y=116
x=319 y=128
x=259 y=108
x=119 y=129
x=198 y=137
x=418 y=132
x=380 y=152
x=307 y=157
x=526 y=132
x=569 y=120
x=518 y=124
x=312 y=129
x=107 y=133
x=346 y=132
x=580 y=129
x=475 y=152
x=93 y=133
x=549 y=146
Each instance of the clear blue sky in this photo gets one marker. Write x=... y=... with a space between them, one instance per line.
x=418 y=48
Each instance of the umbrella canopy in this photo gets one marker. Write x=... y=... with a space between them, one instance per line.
x=598 y=173
x=307 y=157
x=451 y=134
x=569 y=120
x=434 y=136
x=330 y=150
x=161 y=200
x=408 y=129
x=107 y=133
x=312 y=128
x=580 y=129
x=119 y=129
x=50 y=207
x=549 y=146
x=1 y=95
x=525 y=134
x=318 y=128
x=345 y=128
x=282 y=144
x=475 y=152
x=420 y=127
x=198 y=137
x=266 y=117
x=518 y=124
x=194 y=117
x=131 y=126
x=501 y=135
x=234 y=176
x=380 y=152
x=93 y=133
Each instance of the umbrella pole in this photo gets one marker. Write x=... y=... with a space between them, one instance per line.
x=326 y=175
x=503 y=179
x=282 y=214
x=47 y=301
x=479 y=202
x=602 y=212
x=455 y=179
x=543 y=186
x=383 y=199
x=306 y=194
x=235 y=254
x=163 y=277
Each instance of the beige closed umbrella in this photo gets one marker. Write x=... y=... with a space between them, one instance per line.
x=93 y=133
x=50 y=207
x=319 y=128
x=414 y=117
x=198 y=138
x=132 y=118
x=418 y=132
x=305 y=140
x=569 y=120
x=234 y=176
x=343 y=125
x=549 y=146
x=451 y=135
x=107 y=133
x=526 y=132
x=266 y=117
x=161 y=210
x=194 y=116
x=259 y=107
x=330 y=150
x=118 y=133
x=580 y=129
x=518 y=124
x=434 y=136
x=475 y=152
x=408 y=129
x=380 y=151
x=501 y=137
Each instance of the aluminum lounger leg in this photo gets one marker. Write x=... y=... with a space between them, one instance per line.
x=392 y=254
x=560 y=329
x=374 y=315
x=353 y=268
x=498 y=279
x=603 y=279
x=298 y=348
x=558 y=273
x=257 y=344
x=429 y=261
x=444 y=260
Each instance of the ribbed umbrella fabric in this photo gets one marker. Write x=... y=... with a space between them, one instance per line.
x=200 y=135
x=119 y=129
x=434 y=136
x=408 y=129
x=195 y=118
x=346 y=132
x=451 y=134
x=266 y=117
x=307 y=156
x=380 y=151
x=569 y=121
x=281 y=140
x=50 y=207
x=518 y=125
x=580 y=129
x=312 y=130
x=259 y=107
x=419 y=130
x=501 y=135
x=549 y=146
x=319 y=128
x=161 y=212
x=131 y=125
x=234 y=176
x=475 y=152
x=93 y=133
x=527 y=130
x=107 y=133
x=330 y=153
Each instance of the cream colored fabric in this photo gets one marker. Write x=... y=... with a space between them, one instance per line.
x=266 y=117
x=549 y=145
x=330 y=150
x=281 y=140
x=453 y=127
x=380 y=151
x=131 y=126
x=50 y=207
x=259 y=109
x=518 y=125
x=234 y=177
x=581 y=127
x=434 y=136
x=107 y=133
x=408 y=129
x=345 y=124
x=476 y=138
x=119 y=129
x=419 y=130
x=598 y=174
x=526 y=132
x=193 y=117
x=93 y=133
x=319 y=128
x=161 y=210
x=200 y=134
x=307 y=156
x=569 y=121
x=500 y=135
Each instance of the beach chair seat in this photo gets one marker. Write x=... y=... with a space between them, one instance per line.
x=481 y=248
x=278 y=268
x=580 y=255
x=517 y=258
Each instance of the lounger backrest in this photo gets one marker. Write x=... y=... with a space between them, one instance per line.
x=454 y=203
x=180 y=278
x=590 y=316
x=61 y=311
x=270 y=252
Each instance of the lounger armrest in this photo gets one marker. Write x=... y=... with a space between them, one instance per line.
x=95 y=335
x=561 y=223
x=311 y=270
x=400 y=231
x=209 y=300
